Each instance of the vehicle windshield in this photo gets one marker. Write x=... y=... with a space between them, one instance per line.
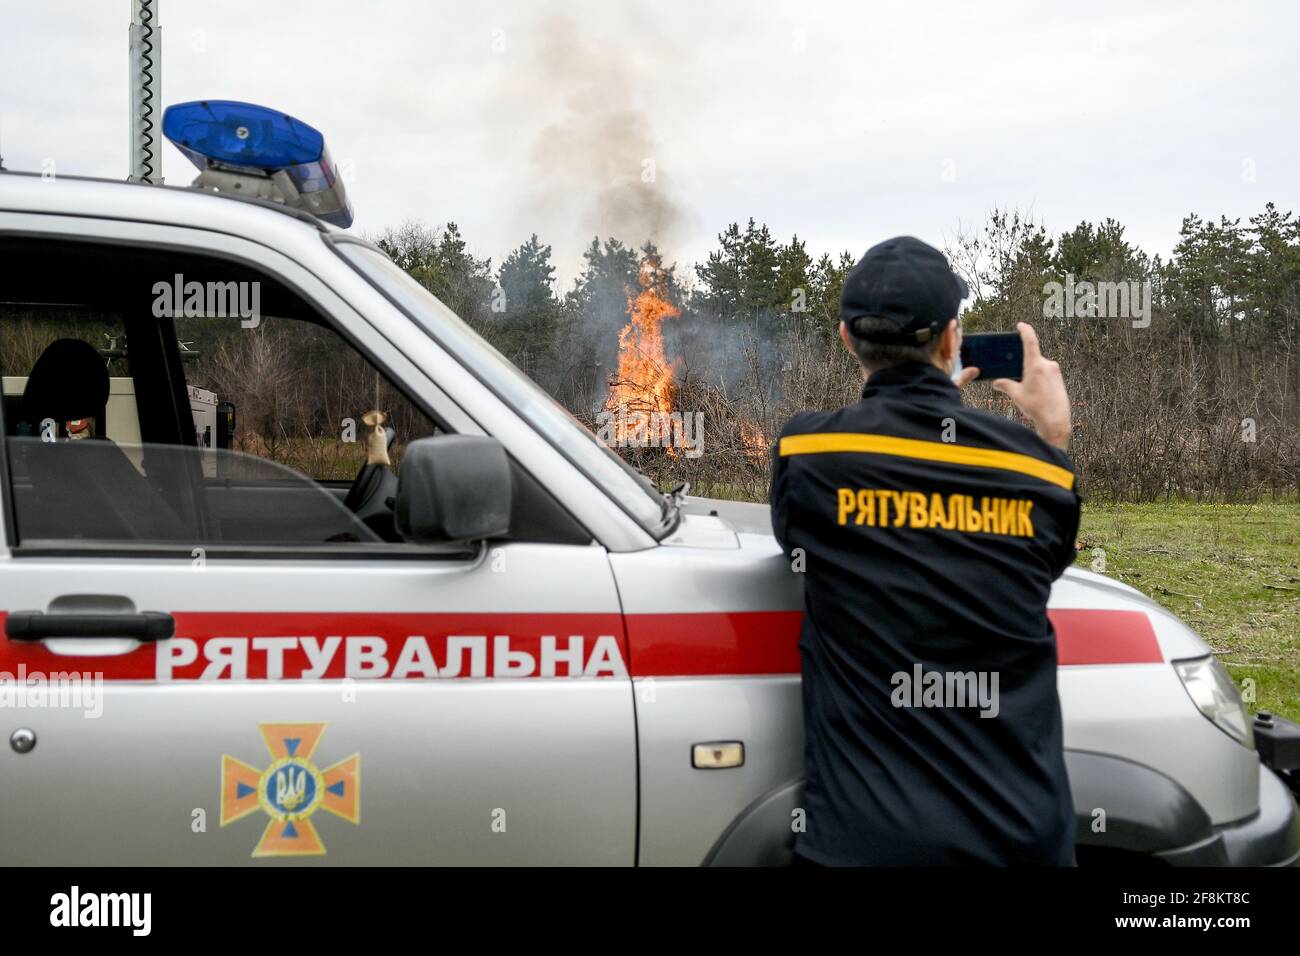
x=633 y=491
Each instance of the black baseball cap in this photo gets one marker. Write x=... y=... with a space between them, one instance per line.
x=906 y=282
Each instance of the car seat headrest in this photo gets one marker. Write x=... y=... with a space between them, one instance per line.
x=69 y=381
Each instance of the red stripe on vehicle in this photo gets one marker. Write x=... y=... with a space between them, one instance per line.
x=766 y=642
x=655 y=645
x=701 y=645
x=1087 y=636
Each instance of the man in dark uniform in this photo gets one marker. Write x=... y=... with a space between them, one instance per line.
x=930 y=534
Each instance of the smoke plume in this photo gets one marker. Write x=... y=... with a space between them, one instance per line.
x=596 y=168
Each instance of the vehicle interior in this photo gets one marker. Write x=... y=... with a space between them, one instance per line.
x=105 y=382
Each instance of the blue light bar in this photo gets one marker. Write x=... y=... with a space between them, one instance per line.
x=255 y=151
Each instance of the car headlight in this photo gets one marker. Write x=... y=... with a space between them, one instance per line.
x=1216 y=696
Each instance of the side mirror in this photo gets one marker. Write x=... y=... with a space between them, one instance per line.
x=453 y=488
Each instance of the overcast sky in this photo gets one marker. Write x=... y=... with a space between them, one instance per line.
x=844 y=122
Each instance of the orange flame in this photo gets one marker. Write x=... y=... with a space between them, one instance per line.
x=644 y=385
x=751 y=433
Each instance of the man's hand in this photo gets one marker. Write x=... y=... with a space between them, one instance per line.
x=1040 y=394
x=967 y=375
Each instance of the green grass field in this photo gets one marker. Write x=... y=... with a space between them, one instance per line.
x=1231 y=572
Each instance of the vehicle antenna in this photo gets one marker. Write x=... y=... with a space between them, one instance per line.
x=144 y=92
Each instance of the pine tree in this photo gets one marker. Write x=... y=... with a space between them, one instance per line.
x=722 y=277
x=760 y=271
x=793 y=284
x=529 y=319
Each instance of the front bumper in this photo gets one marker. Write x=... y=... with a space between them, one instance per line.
x=1271 y=837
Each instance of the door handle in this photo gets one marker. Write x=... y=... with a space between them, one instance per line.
x=141 y=626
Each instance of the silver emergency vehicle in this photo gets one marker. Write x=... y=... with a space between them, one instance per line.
x=514 y=650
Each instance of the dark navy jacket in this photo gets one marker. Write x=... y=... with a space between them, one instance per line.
x=929 y=535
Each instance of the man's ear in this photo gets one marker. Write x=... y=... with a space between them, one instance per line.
x=847 y=338
x=950 y=344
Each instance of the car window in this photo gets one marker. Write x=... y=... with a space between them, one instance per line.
x=149 y=406
x=633 y=491
x=292 y=392
x=171 y=398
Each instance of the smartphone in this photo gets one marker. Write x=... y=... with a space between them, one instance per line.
x=995 y=354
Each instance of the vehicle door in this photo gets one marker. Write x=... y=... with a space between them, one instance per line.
x=326 y=692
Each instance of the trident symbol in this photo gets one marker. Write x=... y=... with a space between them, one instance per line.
x=290 y=788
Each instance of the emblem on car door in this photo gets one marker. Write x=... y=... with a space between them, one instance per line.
x=290 y=790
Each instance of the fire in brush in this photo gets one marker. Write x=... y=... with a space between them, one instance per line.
x=641 y=408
